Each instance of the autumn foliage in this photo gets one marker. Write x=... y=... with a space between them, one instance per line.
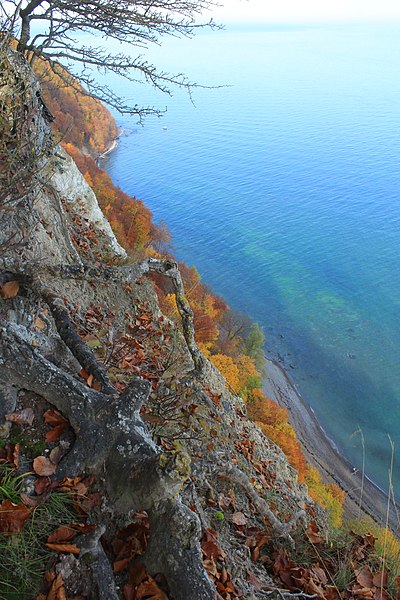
x=230 y=342
x=79 y=119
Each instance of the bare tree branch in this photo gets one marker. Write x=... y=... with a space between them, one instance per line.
x=140 y=23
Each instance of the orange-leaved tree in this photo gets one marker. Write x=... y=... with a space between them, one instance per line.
x=79 y=119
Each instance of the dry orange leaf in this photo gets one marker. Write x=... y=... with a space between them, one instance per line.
x=30 y=501
x=211 y=550
x=42 y=485
x=255 y=582
x=84 y=374
x=120 y=565
x=67 y=482
x=92 y=383
x=65 y=548
x=15 y=455
x=313 y=535
x=83 y=527
x=380 y=579
x=61 y=534
x=53 y=417
x=137 y=574
x=364 y=577
x=9 y=289
x=239 y=518
x=58 y=422
x=150 y=590
x=382 y=594
x=43 y=466
x=13 y=516
x=39 y=323
x=129 y=591
x=57 y=590
x=54 y=434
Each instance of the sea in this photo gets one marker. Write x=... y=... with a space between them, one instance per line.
x=280 y=181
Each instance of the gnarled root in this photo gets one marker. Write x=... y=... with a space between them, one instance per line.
x=281 y=529
x=123 y=275
x=113 y=444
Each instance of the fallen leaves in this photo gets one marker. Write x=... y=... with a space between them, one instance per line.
x=13 y=516
x=42 y=485
x=370 y=585
x=57 y=589
x=214 y=397
x=296 y=578
x=44 y=466
x=318 y=579
x=64 y=548
x=58 y=424
x=238 y=518
x=255 y=540
x=214 y=563
x=9 y=290
x=364 y=577
x=131 y=542
x=143 y=348
x=64 y=533
x=39 y=324
x=90 y=380
x=312 y=533
x=142 y=586
x=147 y=589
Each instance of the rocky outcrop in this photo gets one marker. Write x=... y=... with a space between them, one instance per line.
x=81 y=204
x=45 y=203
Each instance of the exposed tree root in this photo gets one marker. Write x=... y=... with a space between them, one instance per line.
x=71 y=338
x=281 y=529
x=123 y=275
x=112 y=441
x=113 y=444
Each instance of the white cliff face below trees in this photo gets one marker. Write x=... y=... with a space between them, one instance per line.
x=80 y=199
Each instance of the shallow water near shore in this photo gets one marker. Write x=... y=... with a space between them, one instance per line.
x=283 y=190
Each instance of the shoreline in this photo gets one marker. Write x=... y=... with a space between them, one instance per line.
x=111 y=147
x=322 y=453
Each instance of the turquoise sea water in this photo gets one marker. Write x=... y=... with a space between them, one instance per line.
x=284 y=190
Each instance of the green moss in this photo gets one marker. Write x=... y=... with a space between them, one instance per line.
x=29 y=447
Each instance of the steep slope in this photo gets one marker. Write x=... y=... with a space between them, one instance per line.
x=176 y=493
x=229 y=340
x=40 y=352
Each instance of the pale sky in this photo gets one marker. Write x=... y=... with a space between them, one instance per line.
x=283 y=11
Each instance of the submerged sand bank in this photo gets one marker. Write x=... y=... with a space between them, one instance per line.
x=321 y=453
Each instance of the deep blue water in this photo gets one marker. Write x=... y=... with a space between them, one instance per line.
x=284 y=190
